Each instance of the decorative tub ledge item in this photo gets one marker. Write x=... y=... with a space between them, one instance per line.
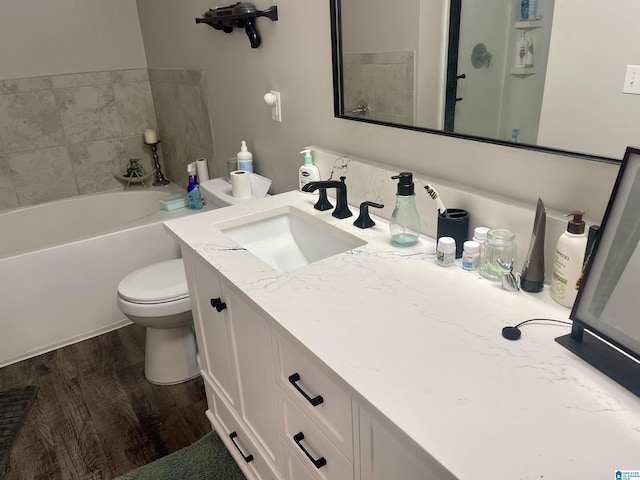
x=135 y=174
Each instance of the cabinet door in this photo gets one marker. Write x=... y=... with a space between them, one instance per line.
x=384 y=455
x=213 y=329
x=251 y=336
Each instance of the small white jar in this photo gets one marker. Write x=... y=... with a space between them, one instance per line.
x=446 y=251
x=471 y=255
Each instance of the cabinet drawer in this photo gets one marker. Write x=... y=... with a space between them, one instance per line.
x=311 y=446
x=240 y=444
x=318 y=396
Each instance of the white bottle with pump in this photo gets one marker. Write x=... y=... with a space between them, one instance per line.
x=308 y=171
x=521 y=51
x=568 y=260
x=245 y=158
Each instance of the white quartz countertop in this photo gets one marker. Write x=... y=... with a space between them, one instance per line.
x=422 y=345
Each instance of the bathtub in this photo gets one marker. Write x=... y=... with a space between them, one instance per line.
x=61 y=262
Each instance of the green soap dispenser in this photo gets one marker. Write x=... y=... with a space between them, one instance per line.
x=404 y=225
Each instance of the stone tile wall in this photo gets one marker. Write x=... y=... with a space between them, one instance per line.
x=385 y=81
x=64 y=135
x=181 y=104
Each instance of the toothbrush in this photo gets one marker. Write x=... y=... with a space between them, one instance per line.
x=434 y=194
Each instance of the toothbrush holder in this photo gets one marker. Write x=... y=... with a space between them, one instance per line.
x=454 y=223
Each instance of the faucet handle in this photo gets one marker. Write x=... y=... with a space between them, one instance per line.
x=323 y=202
x=364 y=220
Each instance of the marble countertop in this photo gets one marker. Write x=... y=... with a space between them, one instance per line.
x=421 y=344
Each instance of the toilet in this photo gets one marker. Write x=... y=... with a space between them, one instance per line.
x=157 y=298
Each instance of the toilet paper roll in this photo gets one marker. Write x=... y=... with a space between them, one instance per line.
x=202 y=169
x=240 y=184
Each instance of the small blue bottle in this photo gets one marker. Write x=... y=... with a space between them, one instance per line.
x=193 y=189
x=524 y=9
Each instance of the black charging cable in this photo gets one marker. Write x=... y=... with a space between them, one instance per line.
x=514 y=333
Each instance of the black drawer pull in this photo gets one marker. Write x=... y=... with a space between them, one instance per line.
x=218 y=304
x=315 y=401
x=319 y=463
x=247 y=458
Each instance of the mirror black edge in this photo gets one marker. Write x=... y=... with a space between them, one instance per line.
x=336 y=55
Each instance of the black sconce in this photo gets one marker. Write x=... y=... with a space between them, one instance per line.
x=241 y=15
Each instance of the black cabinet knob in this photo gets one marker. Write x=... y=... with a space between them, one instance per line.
x=218 y=304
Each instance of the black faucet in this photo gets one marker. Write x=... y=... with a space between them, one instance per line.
x=342 y=209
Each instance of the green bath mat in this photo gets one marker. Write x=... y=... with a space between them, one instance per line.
x=14 y=405
x=206 y=459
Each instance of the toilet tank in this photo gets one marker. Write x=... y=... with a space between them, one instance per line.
x=218 y=190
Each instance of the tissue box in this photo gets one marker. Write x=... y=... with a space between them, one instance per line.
x=173 y=202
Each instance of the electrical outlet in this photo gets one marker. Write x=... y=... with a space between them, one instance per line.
x=632 y=80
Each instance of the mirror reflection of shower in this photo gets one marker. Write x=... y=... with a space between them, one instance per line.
x=501 y=94
x=458 y=77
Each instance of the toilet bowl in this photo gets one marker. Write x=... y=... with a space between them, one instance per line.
x=157 y=297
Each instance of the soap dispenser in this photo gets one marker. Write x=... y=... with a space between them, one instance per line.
x=308 y=172
x=405 y=221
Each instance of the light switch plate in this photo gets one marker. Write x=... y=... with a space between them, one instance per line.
x=632 y=80
x=276 y=110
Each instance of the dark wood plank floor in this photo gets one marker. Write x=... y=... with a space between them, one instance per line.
x=96 y=416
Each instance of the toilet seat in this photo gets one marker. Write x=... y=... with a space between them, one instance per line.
x=155 y=284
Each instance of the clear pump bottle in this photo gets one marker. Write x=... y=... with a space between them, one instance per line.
x=404 y=225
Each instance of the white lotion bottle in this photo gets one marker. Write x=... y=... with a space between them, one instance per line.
x=521 y=51
x=568 y=261
x=308 y=171
x=245 y=158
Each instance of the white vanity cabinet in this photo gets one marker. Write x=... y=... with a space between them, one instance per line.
x=236 y=357
x=276 y=406
x=390 y=409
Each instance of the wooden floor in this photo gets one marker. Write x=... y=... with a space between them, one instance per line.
x=96 y=416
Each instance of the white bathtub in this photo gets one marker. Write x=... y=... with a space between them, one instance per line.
x=61 y=262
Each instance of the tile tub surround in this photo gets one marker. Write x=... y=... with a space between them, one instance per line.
x=64 y=135
x=181 y=105
x=421 y=345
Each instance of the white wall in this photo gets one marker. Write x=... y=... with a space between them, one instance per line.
x=295 y=59
x=68 y=36
x=588 y=77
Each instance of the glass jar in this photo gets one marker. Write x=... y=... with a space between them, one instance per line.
x=500 y=246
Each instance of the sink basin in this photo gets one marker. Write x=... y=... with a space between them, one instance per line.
x=287 y=238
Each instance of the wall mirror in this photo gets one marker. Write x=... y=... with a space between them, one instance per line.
x=458 y=68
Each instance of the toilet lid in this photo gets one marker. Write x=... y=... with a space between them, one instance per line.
x=161 y=282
